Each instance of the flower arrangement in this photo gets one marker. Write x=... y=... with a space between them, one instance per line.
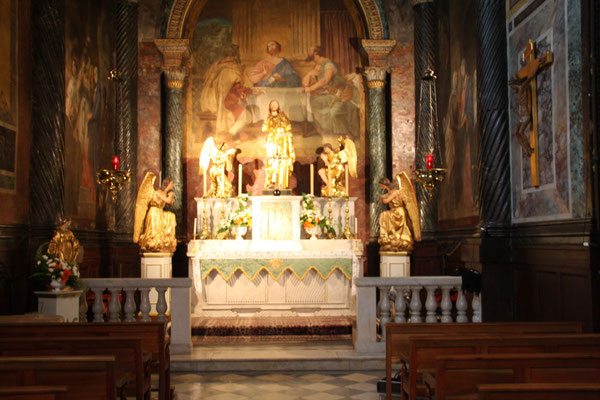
x=50 y=268
x=310 y=217
x=240 y=217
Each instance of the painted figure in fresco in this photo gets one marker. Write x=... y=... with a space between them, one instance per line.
x=335 y=166
x=333 y=99
x=280 y=148
x=399 y=227
x=274 y=71
x=154 y=228
x=225 y=94
x=64 y=244
x=220 y=160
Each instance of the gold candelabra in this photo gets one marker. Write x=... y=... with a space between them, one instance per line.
x=329 y=234
x=205 y=234
x=113 y=180
x=430 y=178
x=347 y=232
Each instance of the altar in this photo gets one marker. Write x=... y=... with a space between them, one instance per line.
x=275 y=270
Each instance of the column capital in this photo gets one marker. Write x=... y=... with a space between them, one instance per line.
x=378 y=47
x=174 y=77
x=375 y=76
x=174 y=51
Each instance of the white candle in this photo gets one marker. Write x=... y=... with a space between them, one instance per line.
x=204 y=184
x=355 y=225
x=195 y=226
x=312 y=179
x=239 y=179
x=329 y=180
x=159 y=178
x=347 y=188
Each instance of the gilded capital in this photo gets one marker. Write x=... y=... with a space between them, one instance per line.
x=174 y=51
x=174 y=77
x=375 y=77
x=378 y=47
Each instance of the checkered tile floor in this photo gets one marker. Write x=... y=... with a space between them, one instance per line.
x=270 y=386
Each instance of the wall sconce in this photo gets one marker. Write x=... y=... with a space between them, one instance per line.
x=430 y=176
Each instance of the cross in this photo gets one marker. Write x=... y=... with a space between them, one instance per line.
x=527 y=98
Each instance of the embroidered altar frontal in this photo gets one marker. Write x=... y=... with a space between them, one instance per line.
x=275 y=267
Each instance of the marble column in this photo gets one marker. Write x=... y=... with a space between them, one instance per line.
x=126 y=106
x=377 y=151
x=174 y=52
x=426 y=47
x=492 y=95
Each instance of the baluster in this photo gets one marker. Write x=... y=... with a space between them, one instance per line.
x=415 y=305
x=400 y=305
x=114 y=307
x=98 y=307
x=83 y=307
x=446 y=304
x=430 y=305
x=161 y=304
x=385 y=310
x=461 y=307
x=129 y=305
x=145 y=304
x=476 y=306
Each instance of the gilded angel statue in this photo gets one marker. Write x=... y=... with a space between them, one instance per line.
x=220 y=160
x=399 y=227
x=64 y=244
x=154 y=228
x=335 y=164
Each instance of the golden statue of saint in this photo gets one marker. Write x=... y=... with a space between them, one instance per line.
x=222 y=162
x=399 y=227
x=335 y=165
x=64 y=244
x=154 y=228
x=280 y=148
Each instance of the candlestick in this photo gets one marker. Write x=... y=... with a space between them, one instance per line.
x=312 y=179
x=329 y=180
x=205 y=234
x=204 y=184
x=347 y=232
x=429 y=161
x=239 y=179
x=115 y=162
x=346 y=173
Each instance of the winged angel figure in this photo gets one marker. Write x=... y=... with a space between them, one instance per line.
x=153 y=227
x=399 y=227
x=335 y=162
x=222 y=162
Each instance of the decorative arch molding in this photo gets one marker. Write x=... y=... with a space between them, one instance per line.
x=371 y=9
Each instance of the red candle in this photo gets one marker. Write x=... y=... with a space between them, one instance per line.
x=116 y=163
x=429 y=161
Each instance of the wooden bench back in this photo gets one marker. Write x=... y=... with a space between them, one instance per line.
x=540 y=391
x=33 y=392
x=459 y=375
x=90 y=378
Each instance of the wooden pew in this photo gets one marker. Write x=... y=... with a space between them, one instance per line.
x=153 y=334
x=86 y=377
x=397 y=334
x=130 y=359
x=33 y=392
x=425 y=349
x=459 y=375
x=540 y=391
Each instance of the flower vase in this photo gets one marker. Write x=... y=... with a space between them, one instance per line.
x=313 y=232
x=239 y=232
x=56 y=285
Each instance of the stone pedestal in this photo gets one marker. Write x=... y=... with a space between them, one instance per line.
x=157 y=265
x=394 y=264
x=64 y=303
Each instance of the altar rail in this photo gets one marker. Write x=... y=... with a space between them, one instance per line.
x=125 y=288
x=396 y=294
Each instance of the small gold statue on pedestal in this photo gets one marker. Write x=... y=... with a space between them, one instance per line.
x=280 y=148
x=221 y=159
x=399 y=227
x=154 y=228
x=336 y=161
x=64 y=244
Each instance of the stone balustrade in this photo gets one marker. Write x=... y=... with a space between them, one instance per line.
x=122 y=305
x=399 y=304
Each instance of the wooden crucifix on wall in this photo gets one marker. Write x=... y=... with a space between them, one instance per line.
x=526 y=85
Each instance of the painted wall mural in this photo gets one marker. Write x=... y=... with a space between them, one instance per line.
x=89 y=96
x=561 y=191
x=457 y=112
x=8 y=96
